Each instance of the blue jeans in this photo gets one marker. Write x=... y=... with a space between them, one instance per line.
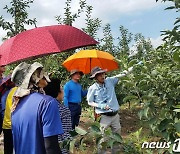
x=75 y=109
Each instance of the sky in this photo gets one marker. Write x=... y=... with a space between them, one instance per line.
x=138 y=16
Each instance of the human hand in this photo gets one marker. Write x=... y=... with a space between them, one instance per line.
x=107 y=107
x=130 y=69
x=104 y=106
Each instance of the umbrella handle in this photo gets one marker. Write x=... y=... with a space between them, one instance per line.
x=90 y=65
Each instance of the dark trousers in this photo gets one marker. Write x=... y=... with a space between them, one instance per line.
x=1 y=122
x=8 y=141
x=75 y=109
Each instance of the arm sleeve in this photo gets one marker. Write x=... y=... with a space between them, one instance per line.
x=90 y=97
x=84 y=93
x=124 y=73
x=66 y=95
x=51 y=145
x=51 y=121
x=3 y=102
x=114 y=80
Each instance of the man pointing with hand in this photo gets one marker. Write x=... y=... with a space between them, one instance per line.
x=102 y=96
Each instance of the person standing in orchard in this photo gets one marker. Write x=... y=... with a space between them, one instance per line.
x=35 y=116
x=73 y=94
x=102 y=96
x=55 y=90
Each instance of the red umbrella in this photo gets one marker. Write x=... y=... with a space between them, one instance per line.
x=42 y=41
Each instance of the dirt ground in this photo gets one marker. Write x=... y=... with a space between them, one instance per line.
x=129 y=121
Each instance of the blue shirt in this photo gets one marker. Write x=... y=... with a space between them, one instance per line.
x=73 y=92
x=35 y=117
x=104 y=94
x=3 y=102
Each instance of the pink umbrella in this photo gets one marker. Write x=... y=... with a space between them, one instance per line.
x=42 y=41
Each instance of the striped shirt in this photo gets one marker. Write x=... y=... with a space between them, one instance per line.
x=65 y=116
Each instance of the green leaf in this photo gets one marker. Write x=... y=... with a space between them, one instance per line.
x=73 y=133
x=104 y=144
x=81 y=144
x=71 y=147
x=117 y=137
x=171 y=7
x=176 y=110
x=132 y=62
x=110 y=143
x=177 y=126
x=138 y=133
x=152 y=121
x=154 y=72
x=146 y=112
x=177 y=106
x=176 y=56
x=107 y=132
x=140 y=114
x=177 y=21
x=164 y=124
x=80 y=131
x=165 y=134
x=143 y=82
x=98 y=139
x=95 y=128
x=143 y=112
x=67 y=143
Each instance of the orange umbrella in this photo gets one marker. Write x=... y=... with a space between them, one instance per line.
x=85 y=60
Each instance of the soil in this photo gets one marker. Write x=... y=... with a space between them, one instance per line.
x=129 y=123
x=128 y=118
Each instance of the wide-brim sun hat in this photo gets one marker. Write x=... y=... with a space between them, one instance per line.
x=22 y=73
x=26 y=77
x=76 y=71
x=96 y=70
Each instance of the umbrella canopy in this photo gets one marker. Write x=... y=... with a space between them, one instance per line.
x=42 y=41
x=85 y=60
